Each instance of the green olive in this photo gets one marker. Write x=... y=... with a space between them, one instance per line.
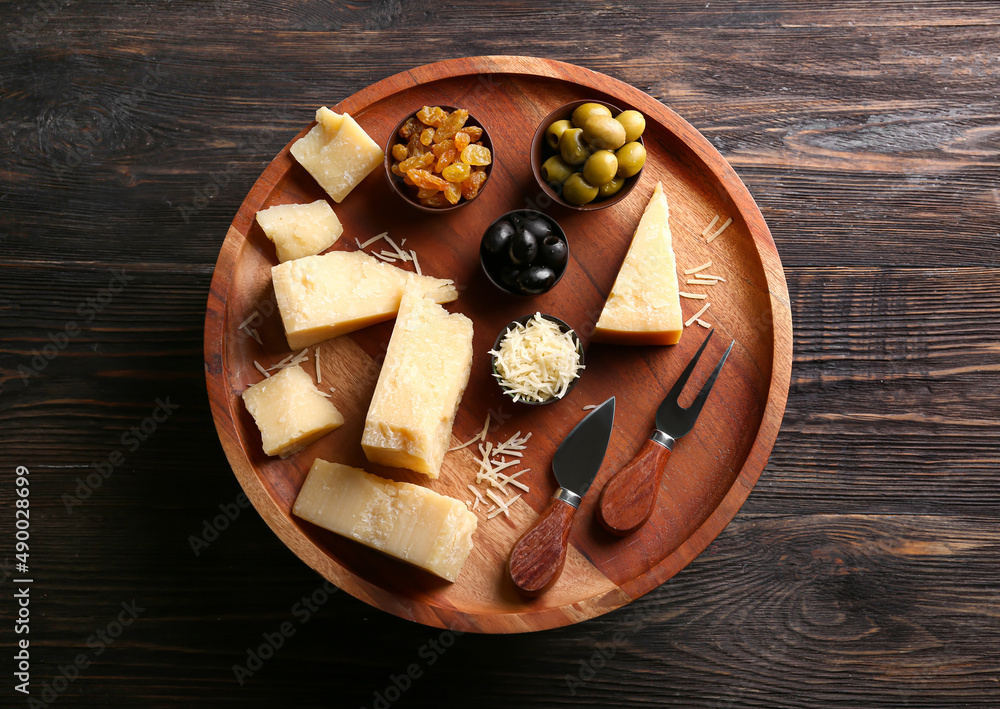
x=572 y=147
x=577 y=190
x=631 y=158
x=554 y=132
x=604 y=132
x=585 y=110
x=610 y=188
x=600 y=167
x=555 y=170
x=633 y=123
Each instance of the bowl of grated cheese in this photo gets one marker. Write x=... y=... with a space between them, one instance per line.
x=537 y=359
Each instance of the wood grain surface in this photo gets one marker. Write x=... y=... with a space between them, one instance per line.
x=863 y=569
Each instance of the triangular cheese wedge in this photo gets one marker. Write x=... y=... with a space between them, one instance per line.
x=644 y=307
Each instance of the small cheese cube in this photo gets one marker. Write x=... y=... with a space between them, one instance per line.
x=299 y=230
x=290 y=412
x=337 y=153
x=321 y=297
x=644 y=307
x=424 y=375
x=406 y=521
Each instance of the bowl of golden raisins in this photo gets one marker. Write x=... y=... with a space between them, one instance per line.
x=588 y=155
x=439 y=158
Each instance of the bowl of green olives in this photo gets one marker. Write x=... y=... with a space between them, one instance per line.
x=588 y=155
x=524 y=253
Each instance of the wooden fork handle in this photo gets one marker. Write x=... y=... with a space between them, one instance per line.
x=538 y=556
x=628 y=498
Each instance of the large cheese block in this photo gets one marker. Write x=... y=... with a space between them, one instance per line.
x=320 y=297
x=299 y=230
x=337 y=153
x=644 y=307
x=290 y=412
x=403 y=520
x=423 y=377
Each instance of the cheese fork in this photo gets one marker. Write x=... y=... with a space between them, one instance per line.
x=628 y=498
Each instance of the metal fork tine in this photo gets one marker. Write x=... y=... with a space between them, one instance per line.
x=699 y=400
x=675 y=391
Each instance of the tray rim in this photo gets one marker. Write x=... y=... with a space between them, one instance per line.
x=530 y=619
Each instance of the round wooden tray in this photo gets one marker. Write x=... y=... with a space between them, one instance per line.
x=720 y=460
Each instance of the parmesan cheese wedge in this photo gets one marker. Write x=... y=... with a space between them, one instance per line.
x=320 y=297
x=290 y=411
x=406 y=521
x=337 y=153
x=424 y=375
x=299 y=230
x=644 y=306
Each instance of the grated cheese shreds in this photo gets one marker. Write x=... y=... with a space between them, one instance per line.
x=416 y=264
x=695 y=296
x=254 y=334
x=537 y=361
x=261 y=369
x=374 y=239
x=703 y=323
x=711 y=277
x=319 y=369
x=588 y=407
x=503 y=507
x=697 y=315
x=702 y=267
x=700 y=282
x=481 y=436
x=718 y=231
x=704 y=232
x=385 y=258
x=358 y=243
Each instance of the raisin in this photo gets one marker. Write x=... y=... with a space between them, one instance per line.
x=432 y=115
x=457 y=172
x=461 y=140
x=425 y=192
x=474 y=132
x=414 y=146
x=399 y=152
x=477 y=155
x=471 y=186
x=447 y=158
x=453 y=193
x=417 y=161
x=427 y=136
x=422 y=178
x=451 y=125
x=408 y=128
x=435 y=200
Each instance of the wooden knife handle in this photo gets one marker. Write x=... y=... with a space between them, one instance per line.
x=628 y=498
x=538 y=556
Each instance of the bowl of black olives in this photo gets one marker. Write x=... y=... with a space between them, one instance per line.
x=588 y=155
x=524 y=253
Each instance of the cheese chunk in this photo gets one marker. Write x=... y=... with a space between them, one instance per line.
x=299 y=230
x=423 y=377
x=320 y=297
x=290 y=412
x=644 y=306
x=403 y=520
x=337 y=153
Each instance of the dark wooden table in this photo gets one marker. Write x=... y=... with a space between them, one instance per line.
x=862 y=571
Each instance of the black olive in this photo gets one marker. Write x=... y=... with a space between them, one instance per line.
x=539 y=227
x=523 y=247
x=536 y=280
x=498 y=236
x=509 y=275
x=553 y=253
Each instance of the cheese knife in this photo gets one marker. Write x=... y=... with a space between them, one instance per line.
x=538 y=556
x=628 y=498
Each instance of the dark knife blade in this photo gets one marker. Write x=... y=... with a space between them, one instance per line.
x=581 y=453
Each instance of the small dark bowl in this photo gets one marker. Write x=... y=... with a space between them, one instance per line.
x=485 y=258
x=523 y=320
x=408 y=192
x=540 y=150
